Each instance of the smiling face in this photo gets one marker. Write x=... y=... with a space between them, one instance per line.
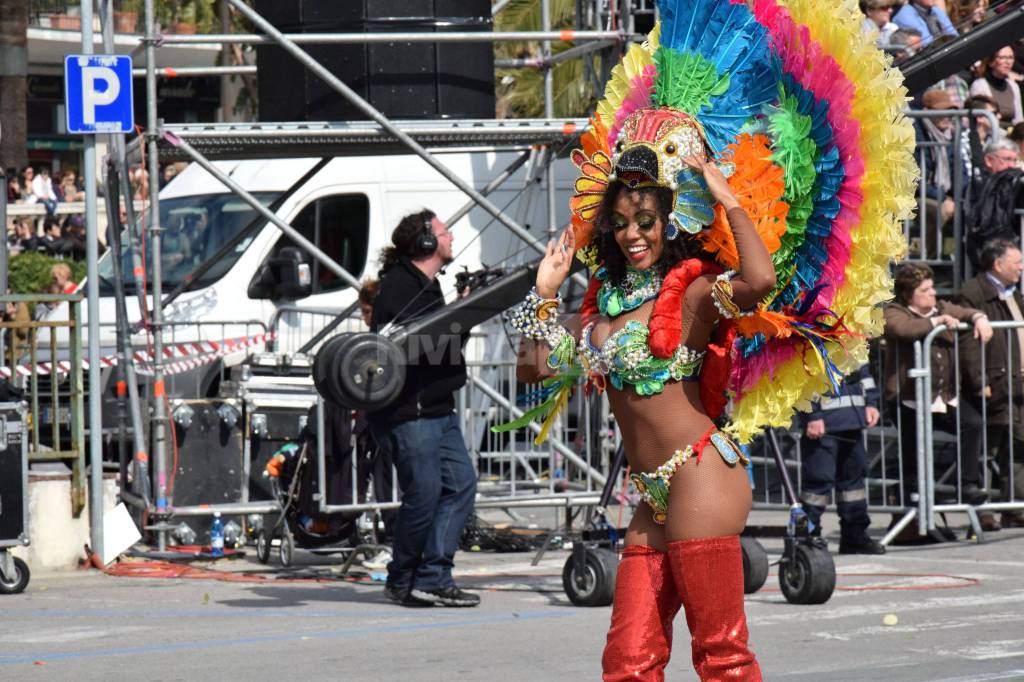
x=638 y=229
x=1002 y=63
x=1009 y=267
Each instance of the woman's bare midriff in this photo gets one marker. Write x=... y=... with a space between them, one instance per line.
x=708 y=498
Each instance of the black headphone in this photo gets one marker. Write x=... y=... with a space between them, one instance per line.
x=426 y=241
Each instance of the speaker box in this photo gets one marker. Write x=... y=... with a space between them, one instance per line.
x=402 y=80
x=13 y=474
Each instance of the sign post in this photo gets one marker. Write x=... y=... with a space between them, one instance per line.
x=98 y=99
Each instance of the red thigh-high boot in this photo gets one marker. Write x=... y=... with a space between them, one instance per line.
x=646 y=601
x=709 y=576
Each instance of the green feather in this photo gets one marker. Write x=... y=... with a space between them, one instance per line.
x=795 y=151
x=686 y=81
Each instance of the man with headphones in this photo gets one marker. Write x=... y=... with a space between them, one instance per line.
x=435 y=474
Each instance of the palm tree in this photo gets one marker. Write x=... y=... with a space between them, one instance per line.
x=13 y=83
x=520 y=92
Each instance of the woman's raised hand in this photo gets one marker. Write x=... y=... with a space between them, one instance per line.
x=717 y=184
x=555 y=265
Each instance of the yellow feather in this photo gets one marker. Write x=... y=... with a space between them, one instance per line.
x=560 y=403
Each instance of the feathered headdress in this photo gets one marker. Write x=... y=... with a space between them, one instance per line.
x=806 y=115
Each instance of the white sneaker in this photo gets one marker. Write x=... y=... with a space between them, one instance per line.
x=379 y=561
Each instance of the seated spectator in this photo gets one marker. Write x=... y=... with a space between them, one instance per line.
x=904 y=43
x=74 y=237
x=926 y=17
x=42 y=308
x=53 y=237
x=1016 y=134
x=14 y=190
x=170 y=171
x=28 y=174
x=992 y=379
x=994 y=198
x=996 y=83
x=942 y=160
x=17 y=337
x=139 y=180
x=979 y=130
x=966 y=15
x=913 y=314
x=68 y=189
x=42 y=190
x=61 y=274
x=25 y=238
x=878 y=19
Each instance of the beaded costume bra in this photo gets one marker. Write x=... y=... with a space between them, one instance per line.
x=625 y=356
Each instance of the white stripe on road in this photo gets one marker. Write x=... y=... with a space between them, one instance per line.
x=912 y=602
x=984 y=677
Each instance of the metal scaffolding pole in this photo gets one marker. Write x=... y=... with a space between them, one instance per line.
x=127 y=387
x=402 y=37
x=549 y=108
x=92 y=257
x=172 y=72
x=329 y=78
x=159 y=416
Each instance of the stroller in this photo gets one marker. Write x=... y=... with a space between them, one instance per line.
x=294 y=483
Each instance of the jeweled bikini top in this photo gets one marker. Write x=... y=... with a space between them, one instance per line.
x=625 y=357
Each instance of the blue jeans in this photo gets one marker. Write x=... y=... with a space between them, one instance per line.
x=438 y=484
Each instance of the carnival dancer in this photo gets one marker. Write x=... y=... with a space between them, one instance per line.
x=739 y=202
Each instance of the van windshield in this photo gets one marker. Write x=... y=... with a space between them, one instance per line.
x=195 y=228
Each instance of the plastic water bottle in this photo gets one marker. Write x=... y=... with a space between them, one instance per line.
x=217 y=536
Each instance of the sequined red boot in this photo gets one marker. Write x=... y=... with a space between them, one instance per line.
x=709 y=577
x=646 y=601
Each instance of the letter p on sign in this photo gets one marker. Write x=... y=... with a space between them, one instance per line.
x=98 y=93
x=95 y=96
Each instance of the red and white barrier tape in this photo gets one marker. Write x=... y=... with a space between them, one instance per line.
x=186 y=356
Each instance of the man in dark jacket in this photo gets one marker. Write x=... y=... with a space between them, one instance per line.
x=998 y=393
x=435 y=474
x=833 y=453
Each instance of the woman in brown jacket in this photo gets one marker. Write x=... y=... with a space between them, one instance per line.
x=913 y=314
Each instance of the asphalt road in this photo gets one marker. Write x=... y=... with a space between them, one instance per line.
x=946 y=613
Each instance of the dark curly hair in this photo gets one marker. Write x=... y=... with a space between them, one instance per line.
x=403 y=240
x=610 y=254
x=908 y=277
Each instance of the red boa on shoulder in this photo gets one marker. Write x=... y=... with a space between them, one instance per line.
x=666 y=329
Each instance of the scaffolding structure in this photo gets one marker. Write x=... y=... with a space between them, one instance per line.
x=610 y=27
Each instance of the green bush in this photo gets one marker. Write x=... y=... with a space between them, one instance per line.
x=29 y=273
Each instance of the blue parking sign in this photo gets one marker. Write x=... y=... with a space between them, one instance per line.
x=98 y=93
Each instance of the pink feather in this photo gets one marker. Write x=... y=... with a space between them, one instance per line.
x=640 y=89
x=817 y=71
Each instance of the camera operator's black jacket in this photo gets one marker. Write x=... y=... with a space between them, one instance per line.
x=406 y=293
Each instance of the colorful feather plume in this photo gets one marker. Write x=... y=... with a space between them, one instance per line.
x=798 y=100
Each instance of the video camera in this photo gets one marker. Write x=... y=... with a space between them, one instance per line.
x=467 y=282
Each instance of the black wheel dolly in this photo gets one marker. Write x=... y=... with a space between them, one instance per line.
x=806 y=570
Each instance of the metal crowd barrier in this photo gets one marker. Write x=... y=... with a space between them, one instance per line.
x=944 y=486
x=53 y=390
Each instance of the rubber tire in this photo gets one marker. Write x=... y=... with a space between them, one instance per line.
x=755 y=565
x=20 y=581
x=599 y=584
x=286 y=551
x=263 y=546
x=811 y=578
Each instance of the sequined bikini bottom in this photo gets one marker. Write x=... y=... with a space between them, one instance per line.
x=654 y=487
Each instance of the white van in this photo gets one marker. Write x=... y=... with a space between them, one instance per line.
x=348 y=209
